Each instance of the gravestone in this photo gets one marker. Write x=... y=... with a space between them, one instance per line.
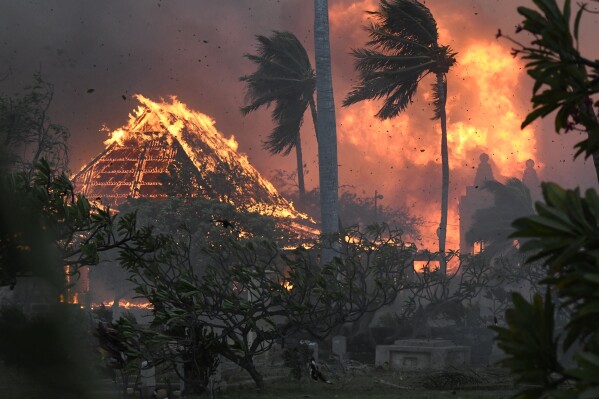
x=340 y=346
x=413 y=354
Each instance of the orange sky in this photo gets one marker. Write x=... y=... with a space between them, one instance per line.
x=193 y=49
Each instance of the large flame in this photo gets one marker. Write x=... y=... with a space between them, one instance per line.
x=194 y=130
x=484 y=115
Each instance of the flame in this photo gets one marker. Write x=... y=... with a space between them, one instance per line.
x=123 y=304
x=401 y=157
x=483 y=116
x=288 y=285
x=496 y=77
x=175 y=121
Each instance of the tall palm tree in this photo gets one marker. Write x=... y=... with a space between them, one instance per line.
x=493 y=225
x=285 y=77
x=327 y=133
x=403 y=49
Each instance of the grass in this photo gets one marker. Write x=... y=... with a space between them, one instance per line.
x=371 y=385
x=357 y=387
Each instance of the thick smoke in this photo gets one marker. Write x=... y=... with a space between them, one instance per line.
x=194 y=50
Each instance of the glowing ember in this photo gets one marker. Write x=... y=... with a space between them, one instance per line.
x=123 y=304
x=159 y=135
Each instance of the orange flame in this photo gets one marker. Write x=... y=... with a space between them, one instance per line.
x=123 y=304
x=411 y=140
x=174 y=120
x=484 y=115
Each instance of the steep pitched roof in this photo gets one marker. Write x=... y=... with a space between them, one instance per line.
x=165 y=148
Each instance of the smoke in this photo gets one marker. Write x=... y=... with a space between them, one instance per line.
x=194 y=50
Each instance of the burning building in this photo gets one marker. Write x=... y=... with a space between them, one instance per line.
x=166 y=149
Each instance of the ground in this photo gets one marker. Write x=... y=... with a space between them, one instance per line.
x=365 y=384
x=358 y=387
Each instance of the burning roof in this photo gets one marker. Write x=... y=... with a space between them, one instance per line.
x=167 y=149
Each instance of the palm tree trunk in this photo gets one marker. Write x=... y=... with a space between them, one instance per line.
x=327 y=142
x=300 y=168
x=442 y=86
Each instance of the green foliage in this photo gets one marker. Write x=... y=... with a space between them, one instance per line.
x=120 y=343
x=564 y=234
x=536 y=362
x=251 y=292
x=45 y=226
x=204 y=220
x=564 y=79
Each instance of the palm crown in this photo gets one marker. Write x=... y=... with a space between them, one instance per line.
x=284 y=77
x=403 y=49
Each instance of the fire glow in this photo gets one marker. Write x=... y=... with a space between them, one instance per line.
x=123 y=304
x=195 y=132
x=483 y=116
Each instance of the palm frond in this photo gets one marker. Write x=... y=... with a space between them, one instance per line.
x=397 y=85
x=284 y=77
x=386 y=40
x=406 y=19
x=402 y=50
x=370 y=60
x=288 y=116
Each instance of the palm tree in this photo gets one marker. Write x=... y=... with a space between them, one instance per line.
x=284 y=77
x=493 y=225
x=327 y=133
x=403 y=49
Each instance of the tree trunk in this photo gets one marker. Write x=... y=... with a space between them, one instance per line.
x=442 y=87
x=195 y=382
x=327 y=135
x=300 y=168
x=249 y=366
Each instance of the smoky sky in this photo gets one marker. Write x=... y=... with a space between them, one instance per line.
x=194 y=50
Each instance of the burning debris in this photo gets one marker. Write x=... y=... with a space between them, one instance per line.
x=167 y=149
